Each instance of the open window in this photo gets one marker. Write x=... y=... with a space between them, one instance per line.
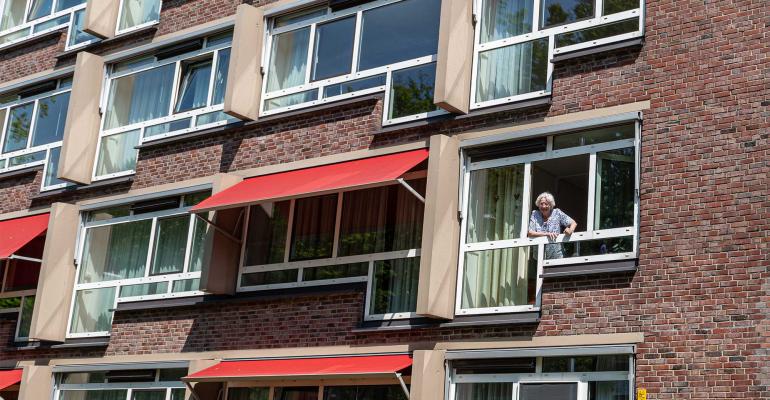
x=137 y=14
x=119 y=384
x=593 y=177
x=77 y=37
x=316 y=56
x=24 y=19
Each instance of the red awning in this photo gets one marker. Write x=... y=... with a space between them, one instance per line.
x=15 y=233
x=9 y=378
x=334 y=367
x=363 y=172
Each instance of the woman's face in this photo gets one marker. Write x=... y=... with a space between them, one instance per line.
x=544 y=206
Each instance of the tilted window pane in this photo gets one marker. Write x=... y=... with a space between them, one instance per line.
x=117 y=153
x=39 y=9
x=548 y=391
x=17 y=131
x=313 y=228
x=92 y=310
x=170 y=245
x=26 y=159
x=22 y=275
x=167 y=127
x=597 y=32
x=266 y=236
x=411 y=91
x=495 y=204
x=172 y=374
x=512 y=70
x=251 y=393
x=615 y=390
x=138 y=12
x=186 y=285
x=220 y=79
x=333 y=52
x=595 y=247
x=14 y=36
x=500 y=278
x=114 y=252
x=25 y=316
x=119 y=394
x=291 y=99
x=194 y=88
x=354 y=86
x=399 y=32
x=502 y=19
x=270 y=277
x=616 y=6
x=13 y=14
x=156 y=394
x=145 y=289
x=558 y=12
x=615 y=187
x=335 y=272
x=484 y=391
x=65 y=4
x=394 y=289
x=518 y=365
x=288 y=59
x=594 y=136
x=140 y=97
x=198 y=249
x=213 y=117
x=51 y=23
x=299 y=16
x=50 y=119
x=52 y=169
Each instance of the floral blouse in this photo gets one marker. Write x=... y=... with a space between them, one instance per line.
x=555 y=223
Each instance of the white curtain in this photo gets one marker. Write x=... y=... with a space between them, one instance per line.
x=506 y=71
x=194 y=90
x=496 y=278
x=288 y=59
x=13 y=14
x=140 y=97
x=137 y=12
x=39 y=9
x=115 y=252
x=505 y=18
x=92 y=310
x=170 y=245
x=117 y=153
x=495 y=198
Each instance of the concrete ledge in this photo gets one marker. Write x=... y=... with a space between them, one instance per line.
x=21 y=172
x=458 y=322
x=80 y=188
x=590 y=268
x=598 y=49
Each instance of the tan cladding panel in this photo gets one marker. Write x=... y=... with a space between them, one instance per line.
x=428 y=375
x=81 y=131
x=57 y=275
x=36 y=382
x=220 y=270
x=441 y=230
x=102 y=18
x=455 y=52
x=244 y=85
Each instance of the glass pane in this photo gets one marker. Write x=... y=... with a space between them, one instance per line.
x=495 y=202
x=617 y=390
x=296 y=393
x=616 y=6
x=157 y=394
x=266 y=235
x=354 y=86
x=51 y=23
x=137 y=12
x=291 y=100
x=394 y=289
x=145 y=289
x=13 y=14
x=177 y=394
x=270 y=277
x=17 y=131
x=83 y=377
x=594 y=136
x=398 y=32
x=220 y=79
x=65 y=4
x=26 y=159
x=115 y=252
x=170 y=245
x=194 y=86
x=500 y=278
x=51 y=117
x=381 y=219
x=596 y=33
x=39 y=9
x=601 y=363
x=109 y=213
x=220 y=38
x=288 y=59
x=212 y=117
x=52 y=169
x=117 y=153
x=14 y=36
x=595 y=247
x=313 y=228
x=502 y=19
x=299 y=16
x=411 y=91
x=335 y=272
x=373 y=392
x=558 y=12
x=198 y=250
x=117 y=394
x=485 y=391
x=9 y=302
x=512 y=70
x=548 y=391
x=333 y=51
x=615 y=187
x=168 y=127
x=21 y=275
x=93 y=310
x=251 y=393
x=186 y=285
x=519 y=365
x=25 y=316
x=140 y=97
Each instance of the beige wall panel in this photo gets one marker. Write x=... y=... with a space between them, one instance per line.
x=207 y=390
x=220 y=271
x=441 y=231
x=427 y=375
x=455 y=52
x=36 y=383
x=101 y=18
x=81 y=132
x=244 y=82
x=57 y=275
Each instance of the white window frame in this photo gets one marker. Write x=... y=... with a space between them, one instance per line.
x=128 y=386
x=29 y=26
x=550 y=33
x=30 y=150
x=147 y=278
x=22 y=294
x=523 y=240
x=214 y=50
x=355 y=75
x=71 y=32
x=130 y=29
x=334 y=260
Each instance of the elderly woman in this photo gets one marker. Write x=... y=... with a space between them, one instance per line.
x=550 y=222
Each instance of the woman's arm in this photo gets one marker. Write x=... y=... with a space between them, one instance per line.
x=550 y=235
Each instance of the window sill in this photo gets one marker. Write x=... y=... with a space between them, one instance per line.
x=138 y=32
x=68 y=343
x=79 y=188
x=598 y=49
x=33 y=39
x=590 y=268
x=21 y=172
x=531 y=317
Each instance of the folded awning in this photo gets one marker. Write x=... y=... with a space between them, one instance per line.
x=16 y=233
x=308 y=368
x=326 y=178
x=9 y=378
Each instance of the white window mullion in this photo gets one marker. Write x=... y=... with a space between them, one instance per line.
x=188 y=248
x=526 y=200
x=213 y=78
x=310 y=51
x=536 y=16
x=369 y=290
x=338 y=219
x=592 y=200
x=174 y=89
x=356 y=43
x=244 y=236
x=151 y=251
x=599 y=6
x=32 y=123
x=289 y=230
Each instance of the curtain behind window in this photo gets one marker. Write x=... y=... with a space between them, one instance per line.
x=288 y=59
x=13 y=14
x=512 y=70
x=497 y=278
x=495 y=204
x=115 y=252
x=485 y=391
x=170 y=245
x=194 y=90
x=118 y=153
x=39 y=9
x=140 y=97
x=137 y=12
x=505 y=18
x=92 y=310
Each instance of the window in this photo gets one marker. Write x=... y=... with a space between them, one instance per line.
x=328 y=392
x=598 y=377
x=24 y=19
x=140 y=251
x=369 y=235
x=32 y=128
x=18 y=284
x=154 y=97
x=136 y=14
x=516 y=40
x=162 y=384
x=77 y=36
x=593 y=176
x=318 y=56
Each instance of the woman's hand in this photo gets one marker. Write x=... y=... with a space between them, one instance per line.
x=552 y=235
x=569 y=230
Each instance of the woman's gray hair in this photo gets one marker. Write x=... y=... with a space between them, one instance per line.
x=548 y=197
